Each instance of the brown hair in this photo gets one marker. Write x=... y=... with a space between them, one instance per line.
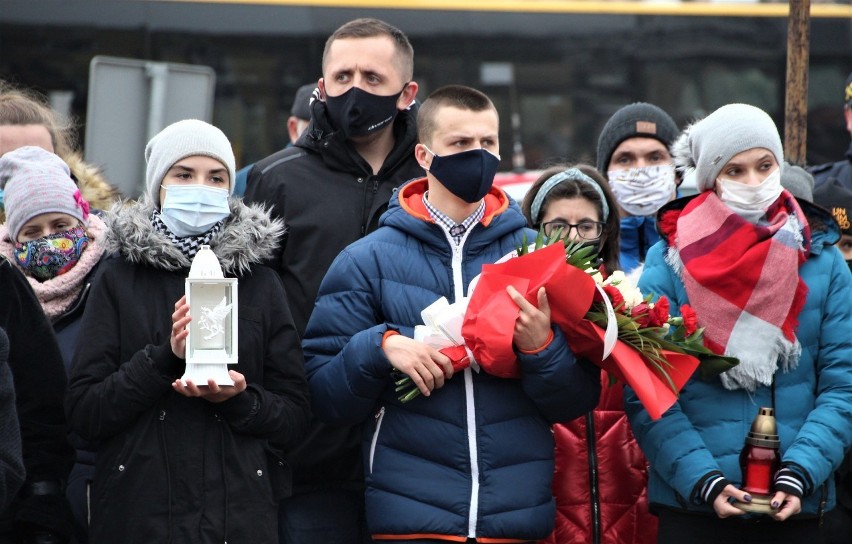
x=371 y=28
x=24 y=107
x=458 y=96
x=572 y=188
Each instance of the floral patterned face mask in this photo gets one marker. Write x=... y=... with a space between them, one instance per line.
x=53 y=255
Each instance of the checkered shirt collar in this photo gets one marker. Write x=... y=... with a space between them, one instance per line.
x=455 y=230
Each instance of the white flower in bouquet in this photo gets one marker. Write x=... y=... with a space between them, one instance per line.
x=631 y=293
x=596 y=275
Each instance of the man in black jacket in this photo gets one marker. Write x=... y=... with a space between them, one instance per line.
x=331 y=188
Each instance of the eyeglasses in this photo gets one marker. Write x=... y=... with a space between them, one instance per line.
x=586 y=230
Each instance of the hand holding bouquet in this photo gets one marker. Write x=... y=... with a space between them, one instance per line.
x=609 y=322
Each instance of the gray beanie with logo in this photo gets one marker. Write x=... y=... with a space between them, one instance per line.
x=185 y=139
x=639 y=119
x=707 y=145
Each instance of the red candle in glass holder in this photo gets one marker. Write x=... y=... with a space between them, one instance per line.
x=759 y=461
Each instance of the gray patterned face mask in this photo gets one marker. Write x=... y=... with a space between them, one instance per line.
x=643 y=190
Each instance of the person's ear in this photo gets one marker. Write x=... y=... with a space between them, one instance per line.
x=422 y=156
x=293 y=128
x=407 y=97
x=847 y=111
x=321 y=87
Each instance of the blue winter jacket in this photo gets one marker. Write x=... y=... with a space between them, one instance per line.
x=475 y=459
x=705 y=430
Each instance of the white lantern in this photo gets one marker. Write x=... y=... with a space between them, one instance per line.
x=212 y=342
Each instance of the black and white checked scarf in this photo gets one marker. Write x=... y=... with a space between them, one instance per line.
x=190 y=245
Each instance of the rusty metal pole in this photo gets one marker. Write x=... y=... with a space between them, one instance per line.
x=796 y=95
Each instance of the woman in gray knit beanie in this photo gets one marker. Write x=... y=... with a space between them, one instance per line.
x=202 y=457
x=772 y=293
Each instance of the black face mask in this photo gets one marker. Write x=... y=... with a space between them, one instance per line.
x=358 y=113
x=468 y=175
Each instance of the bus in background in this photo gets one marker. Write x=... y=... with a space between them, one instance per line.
x=556 y=70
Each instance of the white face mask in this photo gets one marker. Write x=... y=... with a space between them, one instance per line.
x=644 y=190
x=190 y=210
x=751 y=198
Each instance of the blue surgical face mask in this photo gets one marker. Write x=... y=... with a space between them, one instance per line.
x=190 y=210
x=468 y=175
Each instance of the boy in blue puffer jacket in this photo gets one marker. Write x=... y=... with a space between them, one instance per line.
x=472 y=458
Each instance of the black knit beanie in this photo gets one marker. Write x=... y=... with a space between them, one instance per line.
x=637 y=119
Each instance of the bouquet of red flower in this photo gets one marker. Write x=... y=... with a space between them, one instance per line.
x=609 y=322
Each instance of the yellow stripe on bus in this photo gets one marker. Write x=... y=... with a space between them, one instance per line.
x=723 y=9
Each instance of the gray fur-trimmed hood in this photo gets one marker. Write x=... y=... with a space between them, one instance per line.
x=249 y=236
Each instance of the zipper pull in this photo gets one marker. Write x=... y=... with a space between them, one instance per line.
x=162 y=415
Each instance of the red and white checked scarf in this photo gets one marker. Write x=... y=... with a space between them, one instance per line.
x=743 y=281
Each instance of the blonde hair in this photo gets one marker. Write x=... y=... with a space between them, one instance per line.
x=19 y=106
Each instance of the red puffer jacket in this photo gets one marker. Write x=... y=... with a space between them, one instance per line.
x=601 y=478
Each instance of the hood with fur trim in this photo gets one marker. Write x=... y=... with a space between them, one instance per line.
x=681 y=152
x=93 y=186
x=248 y=237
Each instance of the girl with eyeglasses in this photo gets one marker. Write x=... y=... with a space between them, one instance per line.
x=601 y=476
x=578 y=202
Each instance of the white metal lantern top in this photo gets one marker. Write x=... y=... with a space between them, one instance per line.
x=205 y=264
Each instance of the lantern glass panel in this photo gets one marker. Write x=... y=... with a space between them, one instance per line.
x=211 y=307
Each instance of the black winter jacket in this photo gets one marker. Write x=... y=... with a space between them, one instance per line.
x=171 y=468
x=840 y=171
x=40 y=383
x=11 y=457
x=329 y=197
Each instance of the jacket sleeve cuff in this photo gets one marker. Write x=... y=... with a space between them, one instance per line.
x=790 y=482
x=242 y=406
x=167 y=363
x=540 y=348
x=709 y=487
x=388 y=333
